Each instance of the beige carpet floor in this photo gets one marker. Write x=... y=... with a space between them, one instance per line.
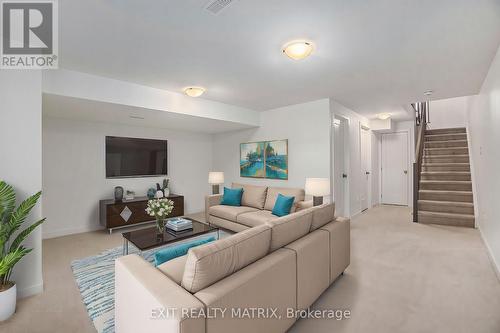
x=404 y=277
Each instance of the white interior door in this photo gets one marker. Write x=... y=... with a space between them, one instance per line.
x=340 y=167
x=365 y=167
x=394 y=171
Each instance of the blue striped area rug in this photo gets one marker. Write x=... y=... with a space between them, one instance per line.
x=95 y=277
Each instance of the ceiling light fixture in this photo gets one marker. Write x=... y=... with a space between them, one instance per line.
x=194 y=91
x=428 y=92
x=298 y=50
x=136 y=117
x=384 y=116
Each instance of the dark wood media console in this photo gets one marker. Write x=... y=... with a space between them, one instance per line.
x=116 y=214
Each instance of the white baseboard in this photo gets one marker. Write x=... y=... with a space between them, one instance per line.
x=494 y=263
x=30 y=291
x=69 y=231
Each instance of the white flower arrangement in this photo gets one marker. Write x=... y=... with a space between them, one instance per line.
x=160 y=208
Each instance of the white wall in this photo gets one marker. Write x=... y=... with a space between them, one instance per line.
x=74 y=171
x=21 y=161
x=307 y=128
x=355 y=173
x=97 y=88
x=448 y=113
x=483 y=117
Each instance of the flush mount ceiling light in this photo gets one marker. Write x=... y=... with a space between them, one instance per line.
x=428 y=92
x=194 y=91
x=384 y=116
x=298 y=50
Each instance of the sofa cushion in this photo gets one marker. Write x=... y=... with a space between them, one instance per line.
x=174 y=268
x=272 y=195
x=209 y=263
x=322 y=215
x=232 y=197
x=229 y=212
x=286 y=229
x=253 y=195
x=226 y=224
x=254 y=219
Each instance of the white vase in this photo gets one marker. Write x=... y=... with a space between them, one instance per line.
x=8 y=302
x=167 y=192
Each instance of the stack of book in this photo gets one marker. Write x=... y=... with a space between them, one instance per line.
x=179 y=224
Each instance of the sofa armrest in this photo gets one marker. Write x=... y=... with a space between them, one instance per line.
x=211 y=200
x=146 y=300
x=340 y=245
x=301 y=205
x=341 y=219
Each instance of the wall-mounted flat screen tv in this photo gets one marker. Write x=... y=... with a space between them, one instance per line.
x=131 y=157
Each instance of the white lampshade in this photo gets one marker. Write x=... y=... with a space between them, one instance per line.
x=318 y=187
x=216 y=177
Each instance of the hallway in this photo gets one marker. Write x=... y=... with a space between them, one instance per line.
x=409 y=277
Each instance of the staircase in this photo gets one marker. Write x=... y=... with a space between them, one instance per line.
x=445 y=191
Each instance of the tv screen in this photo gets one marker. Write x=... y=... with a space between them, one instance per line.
x=130 y=157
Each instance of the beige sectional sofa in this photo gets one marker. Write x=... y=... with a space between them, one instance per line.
x=257 y=203
x=279 y=266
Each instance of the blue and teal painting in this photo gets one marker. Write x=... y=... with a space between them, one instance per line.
x=276 y=159
x=252 y=160
x=265 y=159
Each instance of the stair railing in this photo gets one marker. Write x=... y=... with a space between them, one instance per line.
x=421 y=120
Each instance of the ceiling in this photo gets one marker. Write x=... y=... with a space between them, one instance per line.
x=88 y=110
x=371 y=55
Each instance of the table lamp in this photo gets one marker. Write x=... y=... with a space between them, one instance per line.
x=318 y=188
x=215 y=178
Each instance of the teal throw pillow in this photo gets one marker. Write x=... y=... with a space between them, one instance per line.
x=232 y=196
x=175 y=251
x=283 y=205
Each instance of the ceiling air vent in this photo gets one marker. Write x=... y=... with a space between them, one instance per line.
x=215 y=7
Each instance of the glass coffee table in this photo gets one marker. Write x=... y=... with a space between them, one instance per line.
x=149 y=238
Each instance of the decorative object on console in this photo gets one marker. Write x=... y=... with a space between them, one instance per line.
x=11 y=219
x=160 y=209
x=318 y=188
x=159 y=194
x=215 y=178
x=164 y=188
x=264 y=159
x=114 y=214
x=118 y=193
x=232 y=197
x=130 y=195
x=151 y=193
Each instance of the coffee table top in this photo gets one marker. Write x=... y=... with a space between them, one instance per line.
x=148 y=238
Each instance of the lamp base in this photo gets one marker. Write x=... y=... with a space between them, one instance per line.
x=317 y=201
x=215 y=189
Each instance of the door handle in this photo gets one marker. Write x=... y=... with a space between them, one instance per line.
x=344 y=175
x=406 y=172
x=368 y=172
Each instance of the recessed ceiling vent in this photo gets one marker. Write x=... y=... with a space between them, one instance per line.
x=215 y=7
